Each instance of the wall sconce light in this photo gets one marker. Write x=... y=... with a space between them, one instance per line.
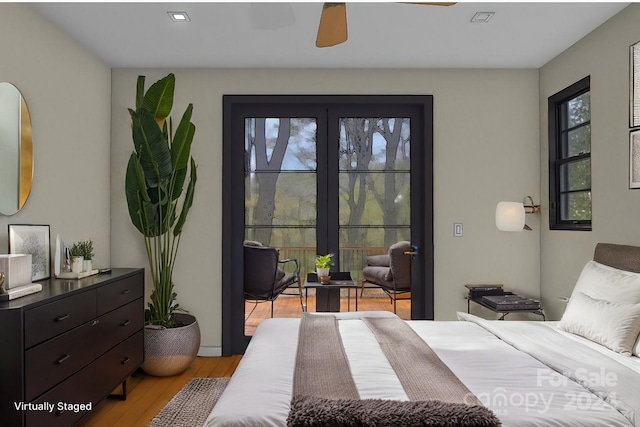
x=530 y=207
x=510 y=216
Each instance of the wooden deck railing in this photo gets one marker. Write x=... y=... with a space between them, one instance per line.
x=352 y=259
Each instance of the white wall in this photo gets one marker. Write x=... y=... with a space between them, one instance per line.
x=604 y=55
x=68 y=92
x=486 y=137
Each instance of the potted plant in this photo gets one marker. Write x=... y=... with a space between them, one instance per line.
x=86 y=250
x=158 y=206
x=323 y=266
x=77 y=258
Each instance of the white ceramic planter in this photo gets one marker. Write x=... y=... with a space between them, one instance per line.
x=77 y=264
x=322 y=272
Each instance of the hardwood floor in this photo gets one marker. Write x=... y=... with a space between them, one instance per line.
x=147 y=395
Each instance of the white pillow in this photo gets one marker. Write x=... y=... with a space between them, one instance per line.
x=615 y=325
x=600 y=281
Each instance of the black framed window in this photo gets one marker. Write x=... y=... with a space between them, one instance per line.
x=570 y=158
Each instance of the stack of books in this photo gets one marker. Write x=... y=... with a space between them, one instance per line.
x=479 y=291
x=510 y=302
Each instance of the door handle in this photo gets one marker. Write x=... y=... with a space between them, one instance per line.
x=413 y=252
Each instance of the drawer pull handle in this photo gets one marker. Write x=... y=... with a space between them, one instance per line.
x=125 y=361
x=126 y=291
x=61 y=318
x=95 y=322
x=62 y=359
x=125 y=323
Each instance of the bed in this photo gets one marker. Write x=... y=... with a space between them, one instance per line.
x=581 y=371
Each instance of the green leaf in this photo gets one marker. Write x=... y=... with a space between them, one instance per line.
x=152 y=147
x=150 y=219
x=159 y=98
x=181 y=144
x=139 y=91
x=133 y=192
x=188 y=200
x=178 y=181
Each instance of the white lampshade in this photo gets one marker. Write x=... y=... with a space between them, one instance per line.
x=510 y=216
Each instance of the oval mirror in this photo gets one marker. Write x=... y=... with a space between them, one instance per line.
x=16 y=150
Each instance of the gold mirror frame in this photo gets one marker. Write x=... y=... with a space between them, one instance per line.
x=17 y=151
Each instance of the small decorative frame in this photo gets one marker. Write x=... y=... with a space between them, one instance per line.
x=634 y=159
x=634 y=85
x=34 y=240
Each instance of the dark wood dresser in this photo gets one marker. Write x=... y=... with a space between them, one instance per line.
x=69 y=345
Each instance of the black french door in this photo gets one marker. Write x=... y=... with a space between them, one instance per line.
x=326 y=174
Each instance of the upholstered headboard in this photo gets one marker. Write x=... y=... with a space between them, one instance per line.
x=623 y=257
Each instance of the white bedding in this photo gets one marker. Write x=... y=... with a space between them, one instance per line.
x=521 y=390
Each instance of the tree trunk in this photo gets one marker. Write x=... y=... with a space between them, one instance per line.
x=390 y=207
x=267 y=168
x=359 y=141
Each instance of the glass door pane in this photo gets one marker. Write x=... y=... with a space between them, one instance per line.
x=374 y=188
x=281 y=188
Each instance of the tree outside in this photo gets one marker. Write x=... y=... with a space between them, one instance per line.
x=281 y=181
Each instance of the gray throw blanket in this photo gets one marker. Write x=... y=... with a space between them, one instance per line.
x=324 y=393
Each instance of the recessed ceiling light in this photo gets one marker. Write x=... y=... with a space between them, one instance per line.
x=482 y=17
x=179 y=16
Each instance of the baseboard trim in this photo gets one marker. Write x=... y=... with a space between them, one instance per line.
x=209 y=351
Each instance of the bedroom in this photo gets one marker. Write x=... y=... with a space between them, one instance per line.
x=504 y=113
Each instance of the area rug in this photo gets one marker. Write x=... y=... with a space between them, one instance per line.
x=192 y=405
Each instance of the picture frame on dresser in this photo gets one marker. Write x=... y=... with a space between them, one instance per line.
x=35 y=240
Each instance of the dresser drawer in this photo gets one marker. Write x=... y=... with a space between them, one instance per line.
x=120 y=293
x=119 y=324
x=77 y=390
x=53 y=361
x=52 y=319
x=119 y=363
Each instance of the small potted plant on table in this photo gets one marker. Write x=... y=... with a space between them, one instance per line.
x=323 y=266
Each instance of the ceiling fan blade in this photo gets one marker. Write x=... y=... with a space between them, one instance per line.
x=333 y=25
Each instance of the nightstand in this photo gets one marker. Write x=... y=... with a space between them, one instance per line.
x=511 y=303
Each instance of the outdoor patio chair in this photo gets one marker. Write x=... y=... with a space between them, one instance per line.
x=391 y=271
x=264 y=280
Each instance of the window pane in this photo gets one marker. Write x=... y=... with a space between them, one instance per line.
x=575 y=175
x=353 y=257
x=374 y=198
x=577 y=141
x=576 y=206
x=298 y=243
x=374 y=143
x=291 y=202
x=579 y=109
x=280 y=143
